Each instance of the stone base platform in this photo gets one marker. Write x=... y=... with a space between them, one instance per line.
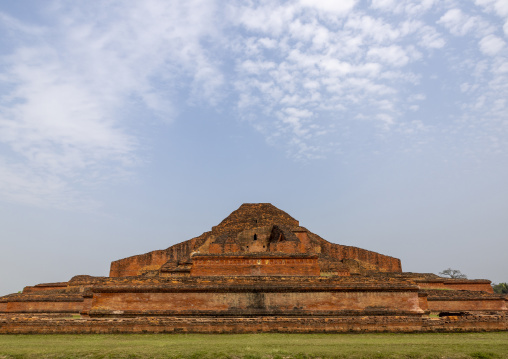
x=371 y=324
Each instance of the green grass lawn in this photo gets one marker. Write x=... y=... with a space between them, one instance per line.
x=465 y=345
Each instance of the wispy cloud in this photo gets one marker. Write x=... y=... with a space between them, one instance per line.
x=336 y=68
x=315 y=78
x=483 y=70
x=69 y=87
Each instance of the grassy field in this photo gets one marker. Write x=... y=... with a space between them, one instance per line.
x=466 y=345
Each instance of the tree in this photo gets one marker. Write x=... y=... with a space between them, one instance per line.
x=501 y=288
x=453 y=273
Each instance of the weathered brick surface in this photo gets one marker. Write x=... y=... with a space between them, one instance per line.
x=465 y=301
x=44 y=287
x=258 y=270
x=245 y=303
x=258 y=228
x=43 y=307
x=432 y=281
x=423 y=302
x=254 y=296
x=466 y=305
x=255 y=324
x=472 y=285
x=43 y=301
x=259 y=265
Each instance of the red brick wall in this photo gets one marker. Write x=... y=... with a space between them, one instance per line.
x=41 y=307
x=87 y=305
x=132 y=265
x=45 y=286
x=245 y=302
x=378 y=261
x=215 y=248
x=473 y=285
x=256 y=325
x=423 y=303
x=287 y=247
x=466 y=305
x=480 y=287
x=431 y=285
x=245 y=266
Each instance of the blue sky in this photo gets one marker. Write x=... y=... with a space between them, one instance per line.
x=129 y=126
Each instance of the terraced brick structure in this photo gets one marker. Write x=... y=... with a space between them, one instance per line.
x=258 y=270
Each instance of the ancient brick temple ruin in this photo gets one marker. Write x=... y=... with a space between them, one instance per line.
x=257 y=271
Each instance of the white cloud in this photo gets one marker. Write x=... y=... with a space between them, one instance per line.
x=14 y=26
x=54 y=120
x=372 y=28
x=269 y=18
x=430 y=38
x=357 y=69
x=71 y=85
x=304 y=73
x=257 y=68
x=26 y=185
x=267 y=43
x=337 y=7
x=387 y=120
x=485 y=108
x=457 y=22
x=384 y=4
x=491 y=45
x=460 y=23
x=500 y=7
x=409 y=7
x=302 y=113
x=391 y=55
